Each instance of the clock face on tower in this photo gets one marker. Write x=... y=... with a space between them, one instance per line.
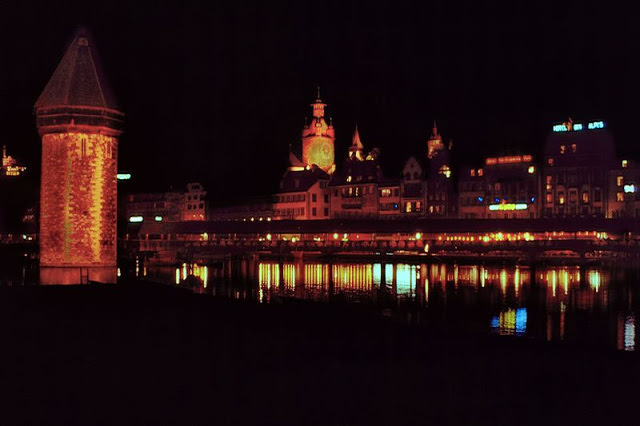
x=318 y=150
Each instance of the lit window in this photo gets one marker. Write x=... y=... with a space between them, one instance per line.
x=573 y=147
x=619 y=196
x=480 y=172
x=472 y=172
x=550 y=161
x=562 y=149
x=624 y=164
x=561 y=198
x=585 y=197
x=531 y=170
x=549 y=197
x=619 y=180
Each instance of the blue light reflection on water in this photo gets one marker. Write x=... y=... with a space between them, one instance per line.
x=553 y=303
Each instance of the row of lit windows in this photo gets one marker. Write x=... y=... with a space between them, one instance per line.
x=289 y=212
x=389 y=192
x=413 y=207
x=290 y=198
x=573 y=197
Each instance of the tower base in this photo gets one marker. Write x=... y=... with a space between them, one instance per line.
x=69 y=275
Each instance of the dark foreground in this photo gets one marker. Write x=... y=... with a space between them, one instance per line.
x=142 y=354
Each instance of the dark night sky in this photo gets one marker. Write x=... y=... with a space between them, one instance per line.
x=216 y=93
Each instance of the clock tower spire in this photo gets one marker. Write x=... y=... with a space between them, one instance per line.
x=318 y=139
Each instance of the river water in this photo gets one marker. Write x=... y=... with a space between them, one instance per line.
x=587 y=305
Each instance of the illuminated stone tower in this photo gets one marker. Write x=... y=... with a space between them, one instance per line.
x=318 y=139
x=79 y=124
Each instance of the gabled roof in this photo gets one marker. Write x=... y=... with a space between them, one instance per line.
x=302 y=180
x=78 y=79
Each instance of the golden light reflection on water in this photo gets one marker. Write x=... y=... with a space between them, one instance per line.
x=201 y=272
x=544 y=302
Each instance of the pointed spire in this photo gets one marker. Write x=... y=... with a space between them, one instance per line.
x=435 y=129
x=356 y=148
x=355 y=141
x=318 y=98
x=78 y=78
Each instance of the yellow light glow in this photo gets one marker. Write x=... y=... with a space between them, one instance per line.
x=78 y=200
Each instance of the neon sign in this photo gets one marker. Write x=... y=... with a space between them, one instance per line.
x=508 y=207
x=123 y=176
x=576 y=127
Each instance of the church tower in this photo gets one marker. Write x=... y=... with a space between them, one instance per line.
x=356 y=148
x=79 y=123
x=318 y=139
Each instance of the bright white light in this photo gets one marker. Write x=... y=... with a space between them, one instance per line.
x=508 y=206
x=123 y=176
x=158 y=218
x=630 y=188
x=136 y=219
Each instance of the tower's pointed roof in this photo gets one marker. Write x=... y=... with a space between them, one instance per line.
x=356 y=142
x=78 y=79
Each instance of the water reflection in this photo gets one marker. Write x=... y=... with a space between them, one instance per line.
x=590 y=304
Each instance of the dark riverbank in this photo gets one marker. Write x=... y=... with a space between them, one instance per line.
x=149 y=354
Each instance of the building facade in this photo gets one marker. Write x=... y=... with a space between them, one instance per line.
x=303 y=195
x=441 y=195
x=10 y=166
x=170 y=206
x=354 y=187
x=413 y=189
x=577 y=161
x=624 y=196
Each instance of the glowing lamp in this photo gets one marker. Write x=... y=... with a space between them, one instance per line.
x=531 y=170
x=630 y=188
x=508 y=207
x=136 y=219
x=418 y=235
x=158 y=218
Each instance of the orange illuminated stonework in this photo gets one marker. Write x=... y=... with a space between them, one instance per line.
x=79 y=126
x=318 y=140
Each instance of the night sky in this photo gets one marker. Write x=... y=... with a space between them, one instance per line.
x=216 y=93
